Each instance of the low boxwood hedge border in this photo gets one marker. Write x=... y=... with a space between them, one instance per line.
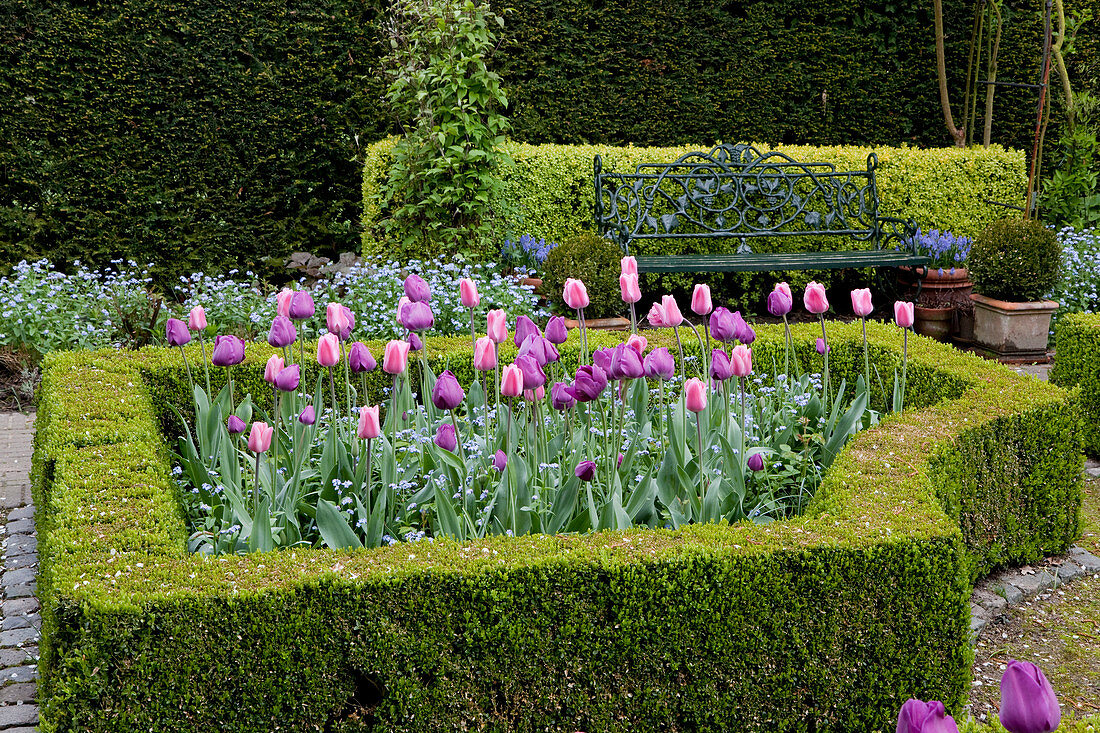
x=825 y=622
x=1077 y=364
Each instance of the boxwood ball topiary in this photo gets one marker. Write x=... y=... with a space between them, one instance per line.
x=595 y=261
x=1015 y=260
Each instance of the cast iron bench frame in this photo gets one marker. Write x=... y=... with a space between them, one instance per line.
x=737 y=192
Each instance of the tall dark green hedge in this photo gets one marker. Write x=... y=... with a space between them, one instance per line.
x=201 y=135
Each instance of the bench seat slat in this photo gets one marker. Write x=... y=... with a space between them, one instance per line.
x=754 y=262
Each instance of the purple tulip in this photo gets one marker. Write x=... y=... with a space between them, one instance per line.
x=779 y=303
x=287 y=379
x=659 y=364
x=235 y=425
x=722 y=325
x=602 y=359
x=301 y=306
x=446 y=438
x=447 y=394
x=1028 y=703
x=417 y=290
x=176 y=332
x=586 y=470
x=626 y=363
x=533 y=376
x=360 y=359
x=917 y=716
x=282 y=332
x=720 y=368
x=346 y=331
x=745 y=335
x=556 y=331
x=417 y=317
x=561 y=396
x=739 y=326
x=500 y=460
x=535 y=346
x=525 y=327
x=589 y=383
x=415 y=344
x=756 y=462
x=821 y=347
x=308 y=416
x=228 y=350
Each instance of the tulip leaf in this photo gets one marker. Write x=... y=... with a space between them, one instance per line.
x=449 y=523
x=565 y=502
x=640 y=503
x=334 y=528
x=260 y=539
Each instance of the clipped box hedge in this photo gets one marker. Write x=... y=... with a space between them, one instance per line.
x=548 y=189
x=825 y=622
x=1077 y=364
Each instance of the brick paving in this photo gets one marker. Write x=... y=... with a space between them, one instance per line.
x=19 y=618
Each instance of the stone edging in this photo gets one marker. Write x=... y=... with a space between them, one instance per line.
x=21 y=624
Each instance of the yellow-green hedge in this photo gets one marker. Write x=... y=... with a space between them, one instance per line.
x=548 y=189
x=1077 y=364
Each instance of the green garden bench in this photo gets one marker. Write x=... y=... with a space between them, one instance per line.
x=736 y=192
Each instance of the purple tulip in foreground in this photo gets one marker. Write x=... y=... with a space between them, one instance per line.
x=287 y=379
x=561 y=396
x=589 y=383
x=556 y=332
x=585 y=470
x=720 y=365
x=500 y=460
x=756 y=462
x=1028 y=703
x=524 y=327
x=446 y=438
x=308 y=416
x=659 y=364
x=722 y=324
x=235 y=425
x=228 y=351
x=447 y=394
x=626 y=363
x=282 y=332
x=360 y=359
x=176 y=332
x=417 y=316
x=917 y=716
x=301 y=306
x=417 y=290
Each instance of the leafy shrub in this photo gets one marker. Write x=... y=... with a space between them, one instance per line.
x=1078 y=289
x=1077 y=364
x=1070 y=195
x=443 y=176
x=595 y=261
x=1015 y=260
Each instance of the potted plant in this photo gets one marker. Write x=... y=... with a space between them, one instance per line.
x=526 y=257
x=596 y=262
x=1013 y=264
x=943 y=307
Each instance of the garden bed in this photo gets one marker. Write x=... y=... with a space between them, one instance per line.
x=825 y=622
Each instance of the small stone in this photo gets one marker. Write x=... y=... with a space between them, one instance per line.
x=16 y=637
x=1011 y=593
x=21 y=561
x=1089 y=563
x=19 y=591
x=988 y=600
x=1068 y=571
x=1032 y=584
x=21 y=526
x=22 y=576
x=14 y=657
x=21 y=544
x=23 y=512
x=22 y=692
x=19 y=606
x=976 y=625
x=1093 y=472
x=977 y=611
x=12 y=715
x=15 y=622
x=25 y=673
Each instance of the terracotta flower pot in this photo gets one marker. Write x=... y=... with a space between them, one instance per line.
x=1013 y=330
x=941 y=289
x=934 y=322
x=600 y=324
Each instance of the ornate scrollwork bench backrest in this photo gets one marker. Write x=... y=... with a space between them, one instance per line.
x=735 y=191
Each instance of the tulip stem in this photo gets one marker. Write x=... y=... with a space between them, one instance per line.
x=680 y=346
x=473 y=336
x=347 y=386
x=332 y=391
x=188 y=368
x=825 y=375
x=866 y=356
x=664 y=415
x=706 y=355
x=702 y=473
x=205 y=367
x=584 y=336
x=393 y=416
x=710 y=352
x=256 y=490
x=904 y=363
x=461 y=450
x=786 y=345
x=275 y=446
x=302 y=344
x=633 y=320
x=367 y=477
x=744 y=427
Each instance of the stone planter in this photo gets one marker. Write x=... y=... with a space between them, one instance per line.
x=934 y=322
x=1014 y=330
x=600 y=324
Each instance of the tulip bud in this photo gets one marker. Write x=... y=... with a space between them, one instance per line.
x=589 y=383
x=585 y=470
x=903 y=314
x=561 y=396
x=336 y=318
x=396 y=357
x=301 y=306
x=556 y=332
x=308 y=416
x=695 y=395
x=1028 y=703
x=628 y=266
x=917 y=716
x=815 y=299
x=282 y=332
x=822 y=347
x=722 y=325
x=756 y=462
x=720 y=365
x=575 y=294
x=287 y=379
x=447 y=394
x=533 y=376
x=511 y=381
x=741 y=361
x=660 y=364
x=415 y=344
x=500 y=461
x=497 y=322
x=235 y=425
x=656 y=316
x=700 y=300
x=629 y=288
x=259 y=439
x=369 y=425
x=626 y=363
x=485 y=354
x=176 y=332
x=272 y=368
x=360 y=359
x=446 y=438
x=328 y=350
x=196 y=319
x=417 y=316
x=525 y=327
x=467 y=292
x=672 y=311
x=861 y=302
x=780 y=301
x=638 y=343
x=228 y=351
x=417 y=290
x=282 y=302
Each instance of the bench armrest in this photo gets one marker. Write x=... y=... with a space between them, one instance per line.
x=897 y=233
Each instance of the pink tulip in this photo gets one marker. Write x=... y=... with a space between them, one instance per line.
x=629 y=266
x=534 y=395
x=485 y=354
x=336 y=318
x=695 y=395
x=328 y=350
x=401 y=303
x=575 y=294
x=657 y=316
x=628 y=286
x=497 y=326
x=741 y=361
x=282 y=302
x=259 y=439
x=700 y=300
x=861 y=302
x=638 y=343
x=274 y=366
x=511 y=381
x=396 y=357
x=815 y=299
x=196 y=319
x=903 y=313
x=369 y=426
x=672 y=311
x=467 y=292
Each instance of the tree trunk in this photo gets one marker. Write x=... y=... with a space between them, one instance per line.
x=959 y=135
